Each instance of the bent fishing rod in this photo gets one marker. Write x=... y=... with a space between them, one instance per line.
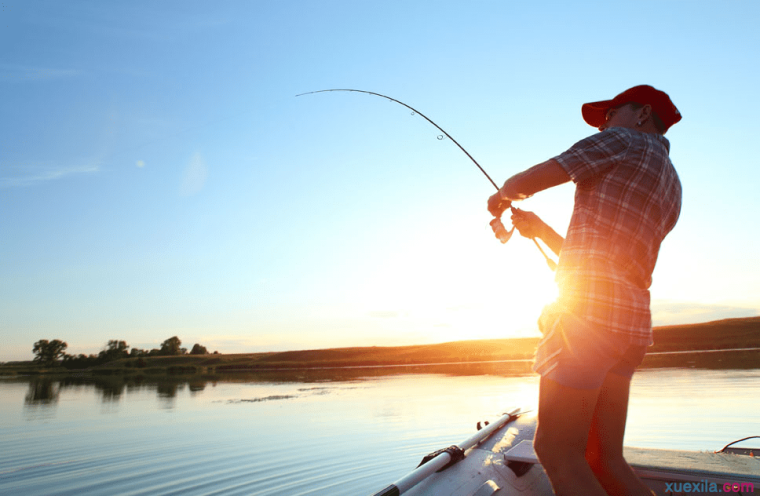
x=496 y=224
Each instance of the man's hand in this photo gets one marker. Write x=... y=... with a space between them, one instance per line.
x=528 y=224
x=497 y=204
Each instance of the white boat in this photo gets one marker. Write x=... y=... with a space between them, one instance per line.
x=499 y=460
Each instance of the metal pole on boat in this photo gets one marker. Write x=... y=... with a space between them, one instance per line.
x=421 y=473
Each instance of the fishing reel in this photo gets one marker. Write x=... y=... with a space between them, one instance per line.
x=503 y=235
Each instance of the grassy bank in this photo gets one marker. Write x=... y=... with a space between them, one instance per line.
x=692 y=340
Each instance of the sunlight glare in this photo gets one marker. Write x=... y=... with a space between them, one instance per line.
x=420 y=290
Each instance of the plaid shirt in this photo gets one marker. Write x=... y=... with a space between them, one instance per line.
x=627 y=198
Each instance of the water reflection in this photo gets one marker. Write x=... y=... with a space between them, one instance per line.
x=42 y=392
x=110 y=391
x=45 y=391
x=169 y=389
x=196 y=385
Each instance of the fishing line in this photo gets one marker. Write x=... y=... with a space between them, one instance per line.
x=414 y=110
x=552 y=265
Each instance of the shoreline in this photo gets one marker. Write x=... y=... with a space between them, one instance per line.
x=729 y=343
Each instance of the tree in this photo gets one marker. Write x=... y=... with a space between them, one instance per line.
x=80 y=361
x=171 y=346
x=114 y=350
x=48 y=352
x=198 y=350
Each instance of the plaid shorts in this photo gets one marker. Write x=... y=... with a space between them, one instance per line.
x=580 y=356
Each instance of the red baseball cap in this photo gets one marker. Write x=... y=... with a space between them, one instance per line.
x=595 y=113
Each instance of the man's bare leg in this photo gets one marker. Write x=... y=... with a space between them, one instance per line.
x=604 y=451
x=564 y=420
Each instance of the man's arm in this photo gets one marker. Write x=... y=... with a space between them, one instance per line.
x=538 y=178
x=527 y=183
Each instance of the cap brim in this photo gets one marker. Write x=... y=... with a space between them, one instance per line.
x=595 y=113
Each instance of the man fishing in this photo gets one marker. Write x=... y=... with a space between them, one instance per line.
x=627 y=199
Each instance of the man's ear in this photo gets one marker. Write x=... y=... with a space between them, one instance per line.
x=644 y=113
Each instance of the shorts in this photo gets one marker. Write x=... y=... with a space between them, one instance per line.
x=577 y=355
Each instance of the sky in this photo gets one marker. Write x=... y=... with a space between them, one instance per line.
x=159 y=177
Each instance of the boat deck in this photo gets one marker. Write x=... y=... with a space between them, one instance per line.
x=505 y=465
x=659 y=466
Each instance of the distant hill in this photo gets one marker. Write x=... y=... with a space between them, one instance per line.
x=716 y=335
x=457 y=351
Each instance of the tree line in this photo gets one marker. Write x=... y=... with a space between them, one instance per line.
x=54 y=352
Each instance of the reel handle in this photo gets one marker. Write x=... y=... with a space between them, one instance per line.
x=500 y=231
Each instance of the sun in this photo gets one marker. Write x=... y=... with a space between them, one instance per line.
x=464 y=289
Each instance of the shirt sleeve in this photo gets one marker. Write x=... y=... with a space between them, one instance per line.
x=596 y=154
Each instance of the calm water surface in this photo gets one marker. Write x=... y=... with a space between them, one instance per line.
x=328 y=432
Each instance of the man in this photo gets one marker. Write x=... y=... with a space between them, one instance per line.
x=627 y=199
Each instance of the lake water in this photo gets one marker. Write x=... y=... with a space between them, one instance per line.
x=309 y=433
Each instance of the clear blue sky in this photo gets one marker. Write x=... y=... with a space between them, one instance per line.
x=158 y=176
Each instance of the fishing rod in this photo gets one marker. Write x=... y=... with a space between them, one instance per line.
x=496 y=224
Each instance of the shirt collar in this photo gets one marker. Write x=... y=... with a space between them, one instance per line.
x=662 y=139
